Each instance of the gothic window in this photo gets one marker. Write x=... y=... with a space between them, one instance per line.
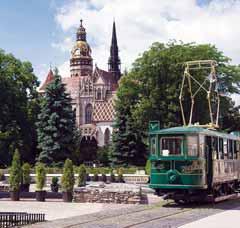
x=88 y=114
x=106 y=137
x=99 y=94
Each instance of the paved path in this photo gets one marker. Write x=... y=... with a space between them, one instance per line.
x=227 y=219
x=167 y=216
x=56 y=209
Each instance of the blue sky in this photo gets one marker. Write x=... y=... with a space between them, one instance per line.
x=27 y=30
x=43 y=31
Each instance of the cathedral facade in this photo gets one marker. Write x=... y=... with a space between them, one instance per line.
x=92 y=89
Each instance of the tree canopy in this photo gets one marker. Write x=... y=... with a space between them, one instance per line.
x=150 y=91
x=18 y=108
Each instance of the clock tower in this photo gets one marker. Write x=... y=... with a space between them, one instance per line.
x=81 y=62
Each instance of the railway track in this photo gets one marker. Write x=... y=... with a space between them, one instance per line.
x=158 y=218
x=160 y=215
x=167 y=213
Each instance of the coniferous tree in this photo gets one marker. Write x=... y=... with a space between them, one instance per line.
x=56 y=126
x=128 y=147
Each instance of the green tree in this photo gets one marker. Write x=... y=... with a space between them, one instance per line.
x=26 y=171
x=19 y=106
x=40 y=176
x=68 y=179
x=152 y=88
x=128 y=141
x=56 y=126
x=103 y=154
x=82 y=174
x=15 y=172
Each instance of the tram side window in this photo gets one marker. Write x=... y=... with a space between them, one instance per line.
x=153 y=146
x=235 y=151
x=221 y=153
x=230 y=149
x=215 y=148
x=192 y=142
x=171 y=146
x=225 y=148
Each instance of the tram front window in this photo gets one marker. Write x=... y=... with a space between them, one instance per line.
x=171 y=146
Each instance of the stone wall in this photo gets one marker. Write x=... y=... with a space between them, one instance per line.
x=83 y=195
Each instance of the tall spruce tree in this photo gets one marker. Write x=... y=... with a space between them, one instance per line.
x=56 y=126
x=128 y=147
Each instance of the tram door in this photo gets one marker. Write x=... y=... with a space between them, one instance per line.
x=209 y=160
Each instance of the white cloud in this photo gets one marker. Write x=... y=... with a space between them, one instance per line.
x=65 y=45
x=140 y=23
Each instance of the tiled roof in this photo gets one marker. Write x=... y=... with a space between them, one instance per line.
x=103 y=111
x=49 y=79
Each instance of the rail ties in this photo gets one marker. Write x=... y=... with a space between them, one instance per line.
x=12 y=219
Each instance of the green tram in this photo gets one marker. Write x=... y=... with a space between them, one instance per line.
x=192 y=163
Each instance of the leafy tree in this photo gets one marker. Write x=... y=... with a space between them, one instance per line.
x=19 y=106
x=152 y=88
x=15 y=172
x=56 y=126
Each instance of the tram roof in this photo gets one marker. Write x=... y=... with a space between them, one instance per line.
x=192 y=130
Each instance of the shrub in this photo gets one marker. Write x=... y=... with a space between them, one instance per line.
x=95 y=175
x=82 y=175
x=68 y=176
x=55 y=181
x=15 y=172
x=120 y=175
x=26 y=169
x=103 y=155
x=104 y=177
x=40 y=176
x=1 y=175
x=112 y=176
x=148 y=167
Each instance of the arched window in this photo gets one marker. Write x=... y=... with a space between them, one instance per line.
x=106 y=137
x=99 y=94
x=88 y=114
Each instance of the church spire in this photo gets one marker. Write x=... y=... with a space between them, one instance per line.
x=81 y=32
x=114 y=60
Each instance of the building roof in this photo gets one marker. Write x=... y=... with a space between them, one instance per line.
x=72 y=85
x=103 y=111
x=107 y=77
x=50 y=78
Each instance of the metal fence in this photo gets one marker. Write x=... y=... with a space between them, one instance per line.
x=16 y=219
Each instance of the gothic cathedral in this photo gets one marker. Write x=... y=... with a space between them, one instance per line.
x=92 y=89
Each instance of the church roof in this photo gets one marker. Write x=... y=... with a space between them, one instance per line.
x=103 y=111
x=107 y=77
x=72 y=85
x=49 y=78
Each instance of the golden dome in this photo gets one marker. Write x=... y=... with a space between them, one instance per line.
x=81 y=48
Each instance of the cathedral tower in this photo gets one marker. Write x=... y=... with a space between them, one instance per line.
x=81 y=63
x=114 y=60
